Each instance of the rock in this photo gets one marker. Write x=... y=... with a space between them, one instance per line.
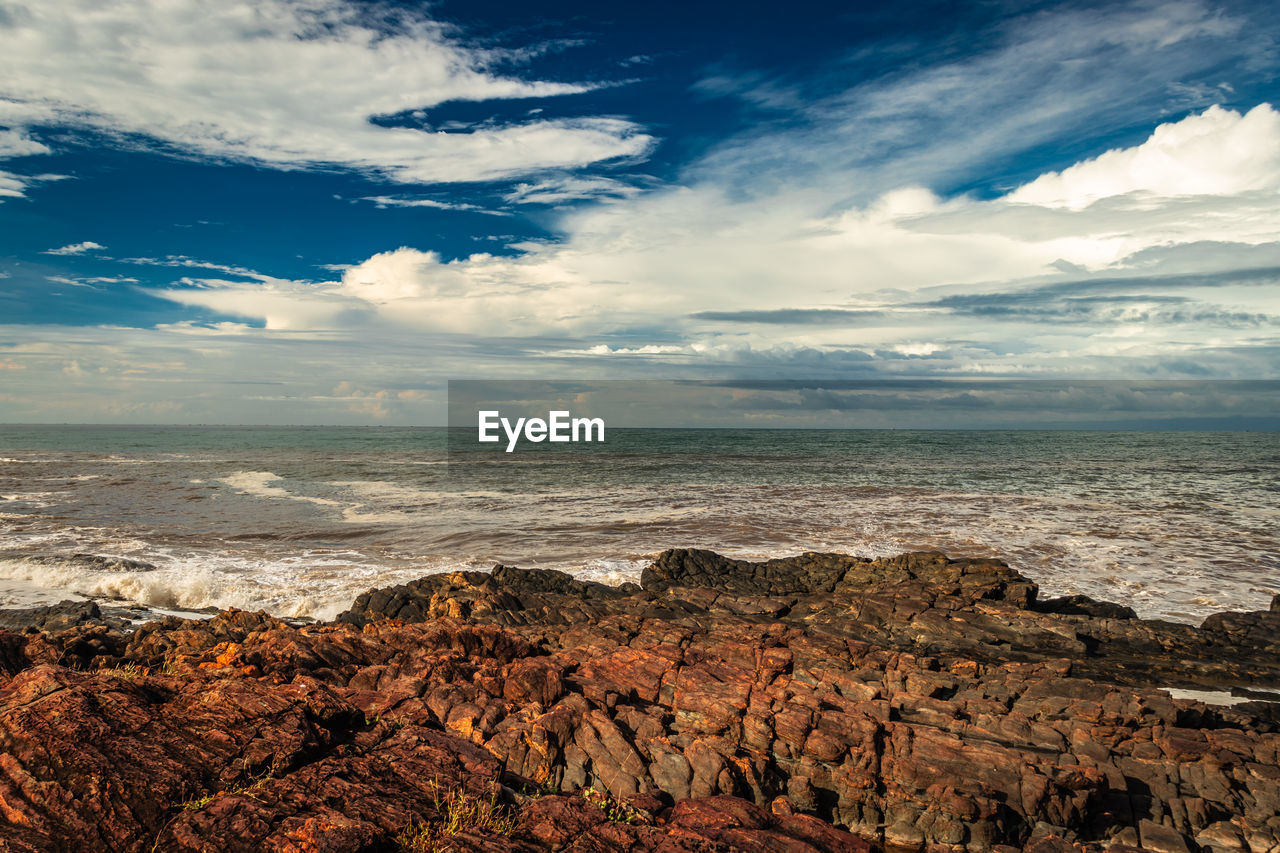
x=90 y=562
x=1083 y=605
x=819 y=702
x=1260 y=628
x=824 y=573
x=1221 y=837
x=1161 y=839
x=13 y=653
x=52 y=617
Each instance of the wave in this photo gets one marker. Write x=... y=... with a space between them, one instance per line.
x=308 y=586
x=256 y=528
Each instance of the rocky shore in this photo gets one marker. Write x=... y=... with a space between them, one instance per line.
x=820 y=702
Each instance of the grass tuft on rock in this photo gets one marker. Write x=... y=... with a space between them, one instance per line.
x=457 y=812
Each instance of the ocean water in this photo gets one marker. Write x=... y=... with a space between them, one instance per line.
x=298 y=521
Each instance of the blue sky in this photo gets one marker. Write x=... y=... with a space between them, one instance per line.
x=320 y=211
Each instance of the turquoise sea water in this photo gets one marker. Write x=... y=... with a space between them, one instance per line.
x=300 y=520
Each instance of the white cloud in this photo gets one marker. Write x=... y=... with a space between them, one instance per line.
x=11 y=185
x=1115 y=266
x=1043 y=78
x=384 y=201
x=281 y=305
x=284 y=84
x=226 y=373
x=1218 y=152
x=409 y=289
x=652 y=262
x=18 y=143
x=77 y=248
x=90 y=281
x=193 y=263
x=15 y=186
x=564 y=188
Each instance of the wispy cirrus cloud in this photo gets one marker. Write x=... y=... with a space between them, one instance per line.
x=1062 y=76
x=566 y=188
x=385 y=201
x=184 y=262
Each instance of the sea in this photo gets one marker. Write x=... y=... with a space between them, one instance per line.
x=298 y=521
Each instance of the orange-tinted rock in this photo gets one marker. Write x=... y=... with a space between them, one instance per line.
x=917 y=700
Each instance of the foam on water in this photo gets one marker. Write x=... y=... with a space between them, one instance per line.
x=329 y=583
x=261 y=484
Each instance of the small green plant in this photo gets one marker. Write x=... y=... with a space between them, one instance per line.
x=456 y=812
x=614 y=811
x=170 y=667
x=543 y=789
x=249 y=788
x=128 y=671
x=198 y=803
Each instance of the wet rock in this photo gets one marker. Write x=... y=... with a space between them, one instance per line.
x=1083 y=605
x=90 y=562
x=1260 y=628
x=52 y=617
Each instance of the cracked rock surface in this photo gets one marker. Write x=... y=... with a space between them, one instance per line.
x=819 y=702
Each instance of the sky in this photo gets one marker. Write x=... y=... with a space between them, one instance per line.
x=319 y=212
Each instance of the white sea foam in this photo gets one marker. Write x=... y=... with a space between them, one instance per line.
x=37 y=499
x=23 y=593
x=328 y=584
x=261 y=484
x=612 y=572
x=384 y=490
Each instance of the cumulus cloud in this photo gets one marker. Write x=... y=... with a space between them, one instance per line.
x=279 y=304
x=283 y=84
x=1218 y=152
x=411 y=289
x=77 y=248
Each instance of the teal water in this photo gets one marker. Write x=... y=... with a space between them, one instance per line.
x=300 y=520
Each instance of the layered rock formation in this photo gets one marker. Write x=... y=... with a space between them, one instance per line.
x=821 y=702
